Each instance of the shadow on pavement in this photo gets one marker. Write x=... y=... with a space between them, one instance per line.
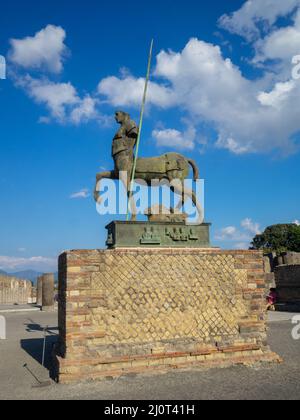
x=34 y=327
x=34 y=347
x=39 y=328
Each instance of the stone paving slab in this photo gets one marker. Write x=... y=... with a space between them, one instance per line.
x=5 y=309
x=281 y=316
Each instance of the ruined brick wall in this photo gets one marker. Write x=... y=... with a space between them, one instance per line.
x=291 y=258
x=269 y=274
x=288 y=283
x=138 y=310
x=14 y=291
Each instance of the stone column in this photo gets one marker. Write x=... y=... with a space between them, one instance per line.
x=48 y=292
x=280 y=260
x=39 y=292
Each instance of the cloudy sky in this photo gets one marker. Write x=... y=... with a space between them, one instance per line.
x=225 y=89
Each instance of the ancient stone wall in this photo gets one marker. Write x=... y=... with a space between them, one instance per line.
x=291 y=258
x=288 y=283
x=286 y=258
x=127 y=311
x=269 y=272
x=14 y=291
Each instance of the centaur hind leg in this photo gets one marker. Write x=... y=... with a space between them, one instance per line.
x=178 y=187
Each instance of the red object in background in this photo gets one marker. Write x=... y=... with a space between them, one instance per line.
x=272 y=297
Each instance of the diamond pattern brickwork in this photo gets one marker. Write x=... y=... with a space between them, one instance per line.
x=154 y=298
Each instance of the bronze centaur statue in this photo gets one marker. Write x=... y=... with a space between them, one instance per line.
x=171 y=167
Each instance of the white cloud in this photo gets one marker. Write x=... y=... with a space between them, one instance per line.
x=2 y=67
x=240 y=238
x=251 y=227
x=278 y=96
x=85 y=111
x=249 y=116
x=82 y=194
x=280 y=44
x=34 y=263
x=56 y=96
x=228 y=233
x=297 y=222
x=254 y=15
x=232 y=145
x=210 y=88
x=62 y=100
x=45 y=50
x=176 y=139
x=128 y=91
x=274 y=43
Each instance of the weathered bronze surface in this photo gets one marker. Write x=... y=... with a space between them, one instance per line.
x=171 y=166
x=159 y=213
x=157 y=235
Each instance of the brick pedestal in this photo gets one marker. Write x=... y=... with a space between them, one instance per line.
x=125 y=311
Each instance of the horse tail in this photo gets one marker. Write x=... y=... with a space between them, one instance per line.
x=195 y=169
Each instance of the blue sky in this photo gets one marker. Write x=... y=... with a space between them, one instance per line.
x=222 y=91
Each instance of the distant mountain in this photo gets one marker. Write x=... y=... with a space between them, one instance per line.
x=30 y=275
x=27 y=275
x=4 y=273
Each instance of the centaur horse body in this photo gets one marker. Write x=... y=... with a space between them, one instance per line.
x=171 y=167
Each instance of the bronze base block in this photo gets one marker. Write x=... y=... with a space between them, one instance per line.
x=157 y=235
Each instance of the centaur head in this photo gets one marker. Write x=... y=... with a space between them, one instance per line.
x=122 y=117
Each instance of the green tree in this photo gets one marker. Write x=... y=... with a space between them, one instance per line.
x=278 y=238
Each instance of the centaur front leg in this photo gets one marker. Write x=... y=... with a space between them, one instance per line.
x=99 y=177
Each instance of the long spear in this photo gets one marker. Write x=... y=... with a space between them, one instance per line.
x=140 y=127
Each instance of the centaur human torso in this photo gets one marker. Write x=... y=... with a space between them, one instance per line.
x=171 y=167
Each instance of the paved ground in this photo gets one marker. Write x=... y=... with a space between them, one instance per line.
x=24 y=345
x=281 y=316
x=4 y=309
